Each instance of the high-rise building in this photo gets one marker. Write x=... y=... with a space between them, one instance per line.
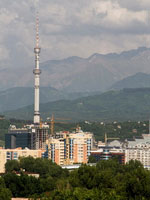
x=18 y=137
x=69 y=148
x=39 y=137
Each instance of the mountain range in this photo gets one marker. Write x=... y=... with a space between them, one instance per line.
x=74 y=74
x=18 y=97
x=83 y=88
x=14 y=98
x=138 y=80
x=126 y=104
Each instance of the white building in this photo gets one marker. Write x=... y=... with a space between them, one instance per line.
x=139 y=149
x=140 y=154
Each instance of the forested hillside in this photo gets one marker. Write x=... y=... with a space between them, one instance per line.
x=18 y=97
x=124 y=105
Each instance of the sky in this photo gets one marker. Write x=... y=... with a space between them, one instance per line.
x=71 y=28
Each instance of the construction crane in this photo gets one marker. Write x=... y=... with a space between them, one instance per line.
x=52 y=123
x=41 y=123
x=108 y=138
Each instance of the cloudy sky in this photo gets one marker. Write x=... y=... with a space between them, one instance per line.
x=71 y=27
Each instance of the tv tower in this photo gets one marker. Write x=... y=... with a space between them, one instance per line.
x=37 y=73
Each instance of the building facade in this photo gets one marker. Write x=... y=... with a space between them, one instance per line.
x=109 y=153
x=31 y=137
x=18 y=137
x=68 y=148
x=140 y=154
x=39 y=136
x=14 y=154
x=139 y=149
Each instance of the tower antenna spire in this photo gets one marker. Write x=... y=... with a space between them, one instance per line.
x=37 y=29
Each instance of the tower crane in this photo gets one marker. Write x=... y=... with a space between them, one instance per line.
x=52 y=123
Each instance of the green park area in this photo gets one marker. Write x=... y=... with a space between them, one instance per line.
x=108 y=180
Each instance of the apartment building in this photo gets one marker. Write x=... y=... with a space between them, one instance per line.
x=139 y=149
x=141 y=154
x=68 y=148
x=14 y=154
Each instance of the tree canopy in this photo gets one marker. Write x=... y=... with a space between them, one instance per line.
x=108 y=180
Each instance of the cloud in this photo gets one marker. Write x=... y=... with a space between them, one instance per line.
x=68 y=28
x=135 y=5
x=111 y=14
x=4 y=53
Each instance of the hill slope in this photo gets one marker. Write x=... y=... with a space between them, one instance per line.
x=18 y=97
x=139 y=80
x=127 y=104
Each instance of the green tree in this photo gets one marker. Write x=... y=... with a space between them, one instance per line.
x=91 y=159
x=85 y=194
x=12 y=165
x=2 y=183
x=48 y=184
x=27 y=163
x=5 y=194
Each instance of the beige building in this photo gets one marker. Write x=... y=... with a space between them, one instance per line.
x=68 y=148
x=139 y=149
x=20 y=199
x=14 y=154
x=140 y=154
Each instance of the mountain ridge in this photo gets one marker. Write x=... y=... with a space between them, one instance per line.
x=138 y=80
x=14 y=98
x=123 y=105
x=76 y=74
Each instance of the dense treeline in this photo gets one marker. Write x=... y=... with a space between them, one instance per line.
x=122 y=130
x=27 y=186
x=108 y=180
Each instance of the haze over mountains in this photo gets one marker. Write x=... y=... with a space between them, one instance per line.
x=75 y=78
x=14 y=98
x=123 y=105
x=18 y=97
x=75 y=74
x=139 y=80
